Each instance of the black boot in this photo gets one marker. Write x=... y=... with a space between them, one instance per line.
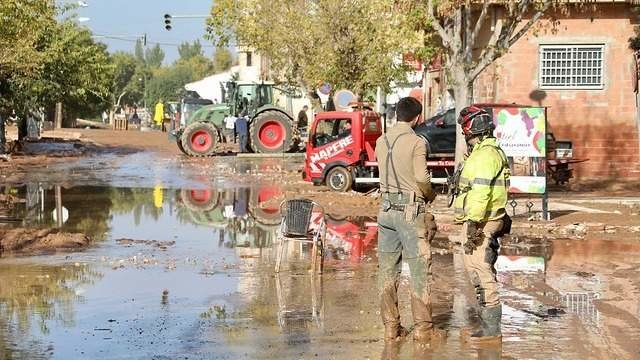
x=490 y=328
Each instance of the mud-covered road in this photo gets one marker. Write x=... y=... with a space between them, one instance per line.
x=177 y=262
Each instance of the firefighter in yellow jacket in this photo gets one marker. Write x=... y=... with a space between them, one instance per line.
x=480 y=205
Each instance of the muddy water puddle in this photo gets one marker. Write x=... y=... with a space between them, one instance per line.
x=188 y=273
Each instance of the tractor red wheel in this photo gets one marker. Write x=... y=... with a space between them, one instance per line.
x=200 y=139
x=268 y=215
x=271 y=132
x=201 y=196
x=200 y=199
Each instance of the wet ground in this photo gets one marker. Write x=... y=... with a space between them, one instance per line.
x=180 y=265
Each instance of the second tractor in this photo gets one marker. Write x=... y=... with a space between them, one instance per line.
x=271 y=128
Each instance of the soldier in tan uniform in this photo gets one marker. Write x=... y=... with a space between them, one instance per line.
x=405 y=227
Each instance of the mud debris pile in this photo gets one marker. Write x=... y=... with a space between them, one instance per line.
x=21 y=240
x=163 y=245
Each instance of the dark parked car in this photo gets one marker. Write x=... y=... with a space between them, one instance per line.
x=440 y=132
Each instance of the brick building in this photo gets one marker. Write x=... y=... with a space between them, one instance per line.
x=584 y=72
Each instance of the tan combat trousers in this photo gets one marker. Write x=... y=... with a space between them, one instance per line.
x=480 y=265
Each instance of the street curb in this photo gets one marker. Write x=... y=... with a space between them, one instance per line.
x=281 y=155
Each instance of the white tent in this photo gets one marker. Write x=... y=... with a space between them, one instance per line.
x=209 y=87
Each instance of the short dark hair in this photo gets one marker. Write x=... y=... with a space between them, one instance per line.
x=407 y=109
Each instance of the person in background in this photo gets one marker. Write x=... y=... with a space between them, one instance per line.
x=242 y=129
x=135 y=119
x=303 y=120
x=3 y=141
x=158 y=115
x=229 y=126
x=346 y=130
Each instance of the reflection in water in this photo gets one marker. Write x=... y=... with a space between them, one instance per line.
x=32 y=296
x=246 y=218
x=300 y=306
x=243 y=217
x=578 y=297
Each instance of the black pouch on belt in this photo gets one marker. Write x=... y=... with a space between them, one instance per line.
x=506 y=225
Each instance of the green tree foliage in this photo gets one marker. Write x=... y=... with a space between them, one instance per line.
x=139 y=51
x=21 y=28
x=154 y=56
x=187 y=50
x=21 y=25
x=167 y=83
x=72 y=69
x=222 y=59
x=351 y=44
x=77 y=71
x=129 y=79
x=125 y=68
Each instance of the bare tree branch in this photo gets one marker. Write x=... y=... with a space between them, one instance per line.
x=446 y=39
x=530 y=23
x=506 y=38
x=466 y=19
x=481 y=18
x=457 y=33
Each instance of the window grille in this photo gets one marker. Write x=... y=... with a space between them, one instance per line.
x=572 y=67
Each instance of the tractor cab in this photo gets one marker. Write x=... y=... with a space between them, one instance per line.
x=189 y=106
x=341 y=148
x=247 y=96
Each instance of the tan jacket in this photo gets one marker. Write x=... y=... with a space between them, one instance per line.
x=409 y=156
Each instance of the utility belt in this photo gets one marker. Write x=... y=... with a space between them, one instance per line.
x=419 y=208
x=406 y=203
x=402 y=198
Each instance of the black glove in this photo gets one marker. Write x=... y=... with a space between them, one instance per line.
x=474 y=237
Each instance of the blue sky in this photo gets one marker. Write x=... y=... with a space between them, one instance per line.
x=135 y=17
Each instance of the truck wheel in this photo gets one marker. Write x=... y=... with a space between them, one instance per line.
x=200 y=139
x=271 y=132
x=339 y=179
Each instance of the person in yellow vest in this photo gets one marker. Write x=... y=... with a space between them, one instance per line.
x=158 y=196
x=480 y=205
x=158 y=115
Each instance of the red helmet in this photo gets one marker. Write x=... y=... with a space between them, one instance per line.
x=475 y=121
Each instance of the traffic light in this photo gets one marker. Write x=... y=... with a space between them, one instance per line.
x=167 y=22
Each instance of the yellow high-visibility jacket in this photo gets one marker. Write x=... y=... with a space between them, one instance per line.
x=158 y=116
x=484 y=184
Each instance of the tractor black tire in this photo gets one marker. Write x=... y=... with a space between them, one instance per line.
x=271 y=132
x=339 y=179
x=200 y=139
x=180 y=147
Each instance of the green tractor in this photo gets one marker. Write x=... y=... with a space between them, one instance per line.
x=271 y=128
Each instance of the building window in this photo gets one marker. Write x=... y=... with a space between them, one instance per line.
x=249 y=60
x=571 y=67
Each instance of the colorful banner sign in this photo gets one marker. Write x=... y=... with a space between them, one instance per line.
x=521 y=134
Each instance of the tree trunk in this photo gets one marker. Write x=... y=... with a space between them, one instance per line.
x=463 y=95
